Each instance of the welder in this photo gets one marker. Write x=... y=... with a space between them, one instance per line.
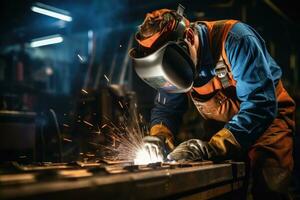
x=226 y=70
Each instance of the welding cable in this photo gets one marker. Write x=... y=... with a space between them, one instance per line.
x=59 y=136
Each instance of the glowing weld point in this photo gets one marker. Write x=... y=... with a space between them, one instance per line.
x=143 y=158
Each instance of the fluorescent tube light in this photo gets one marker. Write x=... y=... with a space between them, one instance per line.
x=51 y=11
x=53 y=39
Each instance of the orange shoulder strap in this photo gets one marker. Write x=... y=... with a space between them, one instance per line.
x=218 y=31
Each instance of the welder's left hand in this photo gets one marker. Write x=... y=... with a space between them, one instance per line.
x=222 y=145
x=193 y=149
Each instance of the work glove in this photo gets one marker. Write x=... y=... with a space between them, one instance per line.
x=222 y=145
x=160 y=142
x=193 y=149
x=155 y=147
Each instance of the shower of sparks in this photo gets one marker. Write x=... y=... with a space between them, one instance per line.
x=127 y=140
x=106 y=78
x=84 y=91
x=125 y=137
x=88 y=123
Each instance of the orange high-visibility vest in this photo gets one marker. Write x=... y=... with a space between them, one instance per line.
x=223 y=103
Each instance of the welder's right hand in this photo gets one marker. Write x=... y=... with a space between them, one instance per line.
x=155 y=147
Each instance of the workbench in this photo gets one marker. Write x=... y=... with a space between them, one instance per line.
x=115 y=181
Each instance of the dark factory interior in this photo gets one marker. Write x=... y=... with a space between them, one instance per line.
x=75 y=111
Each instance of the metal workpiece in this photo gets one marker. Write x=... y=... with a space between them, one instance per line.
x=154 y=181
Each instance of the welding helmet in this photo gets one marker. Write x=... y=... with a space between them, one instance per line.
x=169 y=67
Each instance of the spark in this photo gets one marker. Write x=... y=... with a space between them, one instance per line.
x=120 y=45
x=93 y=143
x=80 y=58
x=164 y=100
x=88 y=123
x=66 y=125
x=158 y=98
x=90 y=154
x=141 y=117
x=98 y=130
x=114 y=141
x=67 y=140
x=103 y=126
x=121 y=104
x=22 y=156
x=106 y=78
x=84 y=91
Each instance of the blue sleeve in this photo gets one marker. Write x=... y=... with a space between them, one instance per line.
x=169 y=109
x=255 y=87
